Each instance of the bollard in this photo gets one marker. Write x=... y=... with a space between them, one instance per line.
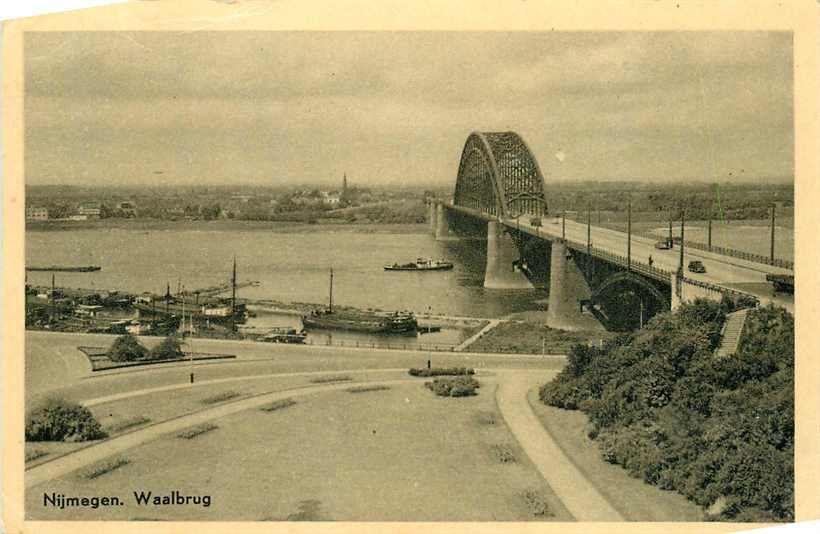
x=192 y=378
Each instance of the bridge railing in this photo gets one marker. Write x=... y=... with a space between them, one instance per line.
x=645 y=269
x=725 y=251
x=735 y=293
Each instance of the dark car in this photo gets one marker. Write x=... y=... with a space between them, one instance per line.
x=696 y=267
x=663 y=245
x=535 y=221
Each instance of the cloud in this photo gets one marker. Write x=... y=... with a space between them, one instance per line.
x=252 y=104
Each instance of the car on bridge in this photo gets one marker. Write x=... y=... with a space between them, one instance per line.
x=535 y=221
x=696 y=266
x=666 y=244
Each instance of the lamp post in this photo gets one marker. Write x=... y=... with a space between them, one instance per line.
x=771 y=243
x=629 y=236
x=564 y=224
x=709 y=235
x=682 y=239
x=589 y=238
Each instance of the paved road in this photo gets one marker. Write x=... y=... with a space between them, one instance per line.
x=55 y=366
x=722 y=270
x=580 y=497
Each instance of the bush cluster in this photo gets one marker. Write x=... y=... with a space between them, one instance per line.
x=61 y=420
x=127 y=348
x=460 y=386
x=662 y=406
x=441 y=371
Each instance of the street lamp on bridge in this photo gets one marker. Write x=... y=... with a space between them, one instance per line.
x=629 y=235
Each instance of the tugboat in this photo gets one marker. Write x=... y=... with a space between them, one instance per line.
x=421 y=264
x=360 y=321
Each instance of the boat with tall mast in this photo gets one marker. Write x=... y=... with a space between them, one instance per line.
x=376 y=322
x=208 y=309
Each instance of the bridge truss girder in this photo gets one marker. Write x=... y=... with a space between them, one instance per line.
x=498 y=175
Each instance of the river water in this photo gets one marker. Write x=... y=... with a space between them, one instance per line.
x=290 y=266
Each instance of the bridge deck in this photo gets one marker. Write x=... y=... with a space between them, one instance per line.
x=726 y=272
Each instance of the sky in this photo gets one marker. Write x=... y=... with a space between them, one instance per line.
x=278 y=108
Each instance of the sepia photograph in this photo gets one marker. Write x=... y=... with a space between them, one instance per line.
x=409 y=276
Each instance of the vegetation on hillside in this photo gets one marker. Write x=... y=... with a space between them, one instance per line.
x=663 y=406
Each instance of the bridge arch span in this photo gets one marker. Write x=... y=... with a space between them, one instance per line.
x=627 y=278
x=498 y=175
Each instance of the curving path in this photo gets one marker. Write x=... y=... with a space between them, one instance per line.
x=71 y=462
x=580 y=497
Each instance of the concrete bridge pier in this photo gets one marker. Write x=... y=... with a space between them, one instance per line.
x=501 y=253
x=567 y=287
x=675 y=299
x=431 y=217
x=442 y=223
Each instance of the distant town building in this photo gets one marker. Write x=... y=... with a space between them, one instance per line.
x=128 y=208
x=90 y=209
x=330 y=199
x=78 y=217
x=36 y=214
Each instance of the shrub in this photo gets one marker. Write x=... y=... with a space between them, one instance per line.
x=331 y=378
x=461 y=386
x=219 y=397
x=104 y=467
x=197 y=430
x=504 y=454
x=441 y=371
x=61 y=420
x=126 y=348
x=277 y=405
x=35 y=454
x=128 y=423
x=365 y=389
x=536 y=503
x=169 y=349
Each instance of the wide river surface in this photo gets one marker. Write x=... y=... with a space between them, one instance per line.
x=290 y=266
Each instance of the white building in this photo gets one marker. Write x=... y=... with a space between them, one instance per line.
x=36 y=214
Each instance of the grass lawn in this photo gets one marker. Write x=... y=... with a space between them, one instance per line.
x=130 y=414
x=529 y=338
x=636 y=500
x=400 y=454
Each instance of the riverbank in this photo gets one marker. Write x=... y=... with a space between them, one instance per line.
x=148 y=225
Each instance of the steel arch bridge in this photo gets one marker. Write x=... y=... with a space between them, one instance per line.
x=499 y=176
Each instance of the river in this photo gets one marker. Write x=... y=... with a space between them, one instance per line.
x=290 y=266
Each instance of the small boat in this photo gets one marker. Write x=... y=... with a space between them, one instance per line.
x=421 y=264
x=64 y=269
x=284 y=335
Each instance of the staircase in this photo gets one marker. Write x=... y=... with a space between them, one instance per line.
x=732 y=331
